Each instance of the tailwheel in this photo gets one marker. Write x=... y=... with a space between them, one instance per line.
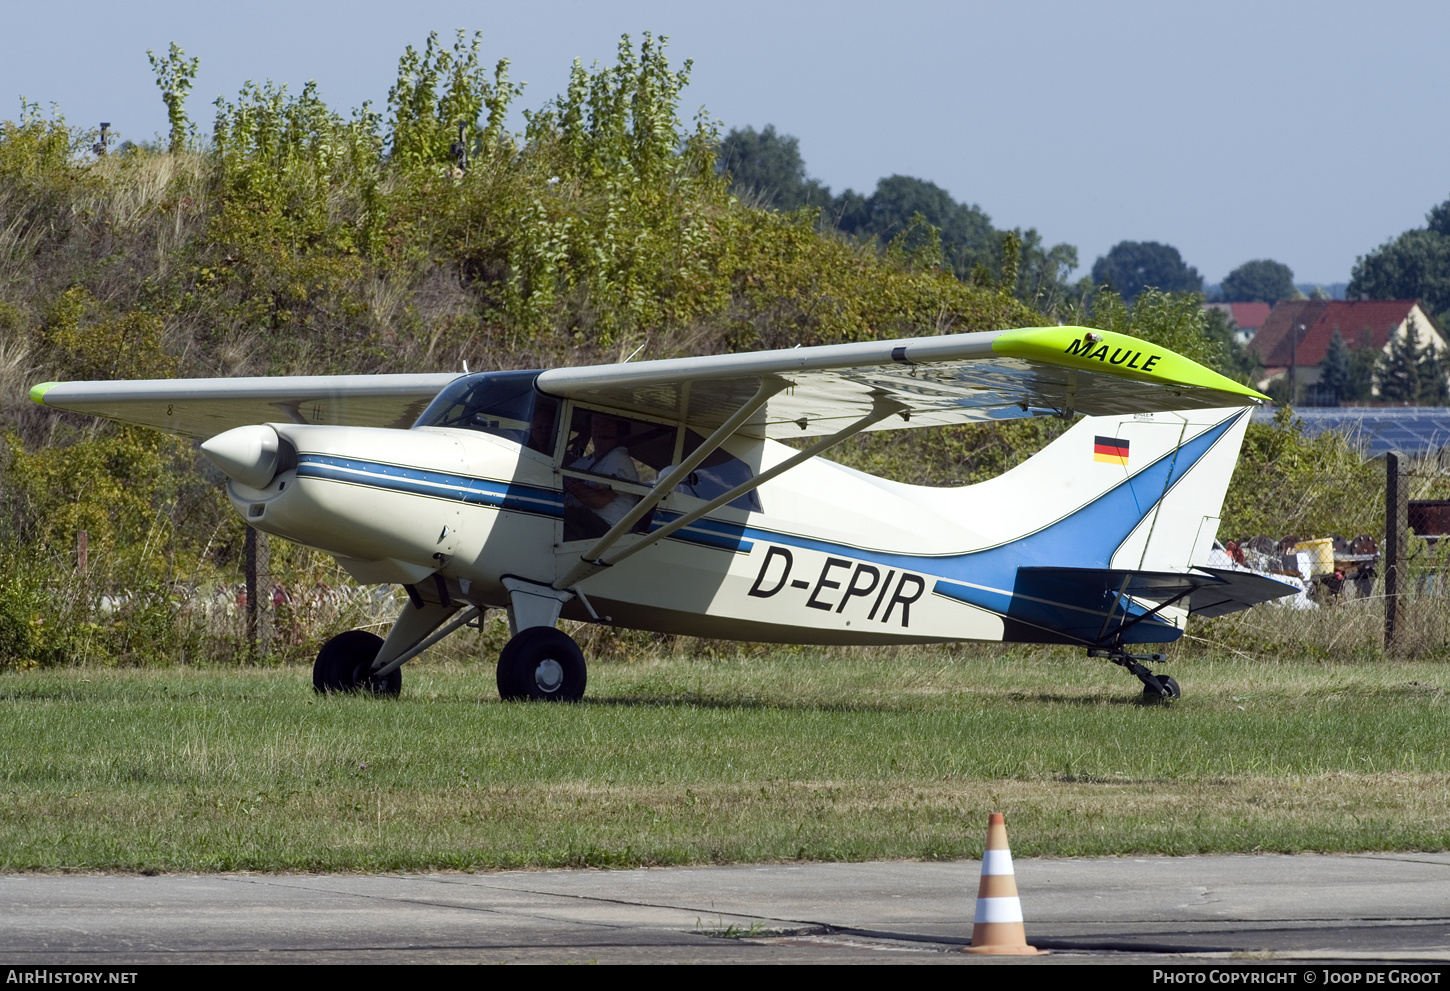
x=344 y=664
x=541 y=663
x=1168 y=689
x=1156 y=687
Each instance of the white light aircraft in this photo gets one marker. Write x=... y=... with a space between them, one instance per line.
x=656 y=495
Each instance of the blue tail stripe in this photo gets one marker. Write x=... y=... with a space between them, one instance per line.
x=1085 y=538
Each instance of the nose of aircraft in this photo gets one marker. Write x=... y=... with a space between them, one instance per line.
x=247 y=454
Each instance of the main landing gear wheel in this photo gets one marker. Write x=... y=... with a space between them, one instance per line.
x=343 y=664
x=541 y=663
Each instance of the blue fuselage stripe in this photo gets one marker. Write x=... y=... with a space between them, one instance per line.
x=495 y=495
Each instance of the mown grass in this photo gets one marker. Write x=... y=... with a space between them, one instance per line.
x=752 y=758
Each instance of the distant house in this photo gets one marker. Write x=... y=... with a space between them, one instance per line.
x=1248 y=317
x=1296 y=334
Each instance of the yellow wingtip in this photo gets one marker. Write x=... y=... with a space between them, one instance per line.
x=1079 y=346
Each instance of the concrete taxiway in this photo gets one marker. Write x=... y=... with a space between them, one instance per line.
x=1362 y=908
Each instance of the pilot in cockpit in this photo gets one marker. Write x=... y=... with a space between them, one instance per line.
x=607 y=456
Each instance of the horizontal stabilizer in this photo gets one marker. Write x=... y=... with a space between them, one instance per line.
x=1239 y=590
x=1203 y=592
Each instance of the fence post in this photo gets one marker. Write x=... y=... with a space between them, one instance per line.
x=1396 y=513
x=83 y=547
x=259 y=591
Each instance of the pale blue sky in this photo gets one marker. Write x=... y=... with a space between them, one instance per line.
x=1305 y=132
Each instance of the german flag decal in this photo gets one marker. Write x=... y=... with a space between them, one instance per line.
x=1111 y=450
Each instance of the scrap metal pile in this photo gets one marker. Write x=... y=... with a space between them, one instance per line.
x=1320 y=567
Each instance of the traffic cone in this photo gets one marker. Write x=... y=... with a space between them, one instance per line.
x=997 y=927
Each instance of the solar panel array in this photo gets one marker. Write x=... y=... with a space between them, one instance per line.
x=1376 y=429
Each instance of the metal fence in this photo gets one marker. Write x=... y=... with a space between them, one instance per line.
x=1363 y=596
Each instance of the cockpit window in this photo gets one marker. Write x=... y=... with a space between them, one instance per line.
x=504 y=404
x=718 y=474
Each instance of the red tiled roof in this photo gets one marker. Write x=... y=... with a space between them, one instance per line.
x=1361 y=323
x=1249 y=316
x=1272 y=342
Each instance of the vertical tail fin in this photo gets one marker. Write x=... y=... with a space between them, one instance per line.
x=1178 y=530
x=1138 y=491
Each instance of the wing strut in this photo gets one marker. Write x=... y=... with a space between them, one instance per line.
x=881 y=407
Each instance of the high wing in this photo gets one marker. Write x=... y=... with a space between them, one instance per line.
x=799 y=392
x=928 y=381
x=207 y=407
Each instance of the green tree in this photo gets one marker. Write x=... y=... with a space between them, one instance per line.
x=1235 y=360
x=1336 y=374
x=1018 y=261
x=1415 y=265
x=1262 y=281
x=1364 y=364
x=174 y=75
x=439 y=92
x=967 y=236
x=1399 y=370
x=1437 y=221
x=1130 y=267
x=1434 y=379
x=1174 y=320
x=1042 y=272
x=1433 y=372
x=766 y=168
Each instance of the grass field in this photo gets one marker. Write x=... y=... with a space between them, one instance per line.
x=751 y=758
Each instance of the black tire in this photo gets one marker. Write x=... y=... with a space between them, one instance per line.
x=1171 y=686
x=343 y=662
x=542 y=663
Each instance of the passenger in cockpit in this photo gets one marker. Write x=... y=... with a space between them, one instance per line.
x=606 y=456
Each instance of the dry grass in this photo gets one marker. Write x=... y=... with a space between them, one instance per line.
x=1340 y=628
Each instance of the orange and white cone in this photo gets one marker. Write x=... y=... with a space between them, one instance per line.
x=997 y=927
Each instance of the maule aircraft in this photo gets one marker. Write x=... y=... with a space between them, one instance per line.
x=656 y=495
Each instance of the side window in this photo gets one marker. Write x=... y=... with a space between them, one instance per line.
x=543 y=425
x=602 y=446
x=718 y=474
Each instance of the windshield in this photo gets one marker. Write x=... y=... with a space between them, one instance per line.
x=504 y=404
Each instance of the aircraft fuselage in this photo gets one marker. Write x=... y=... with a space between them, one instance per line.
x=831 y=555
